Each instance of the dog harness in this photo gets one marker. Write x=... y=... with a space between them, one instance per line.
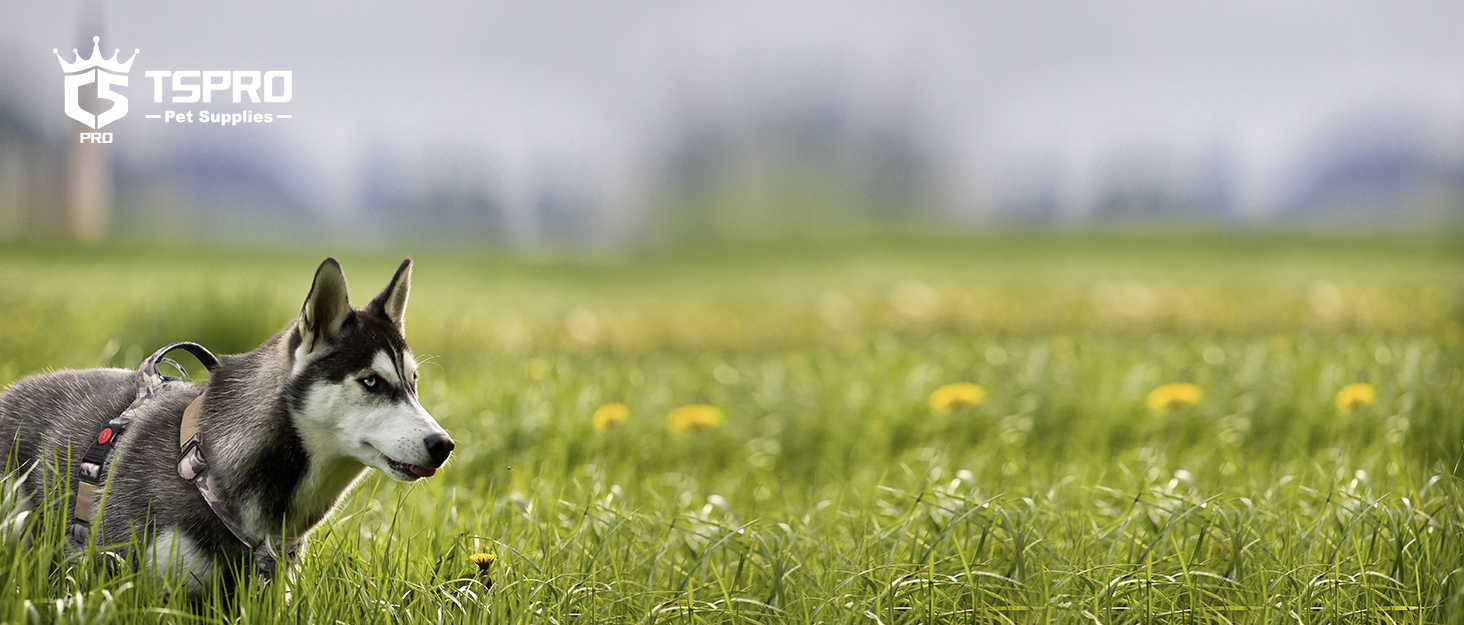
x=191 y=464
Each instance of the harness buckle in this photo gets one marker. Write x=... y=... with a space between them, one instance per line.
x=191 y=464
x=79 y=530
x=90 y=467
x=90 y=472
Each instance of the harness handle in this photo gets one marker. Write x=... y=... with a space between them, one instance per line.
x=148 y=374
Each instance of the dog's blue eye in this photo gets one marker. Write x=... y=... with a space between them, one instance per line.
x=369 y=381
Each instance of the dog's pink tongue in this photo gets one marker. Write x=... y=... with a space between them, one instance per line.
x=423 y=471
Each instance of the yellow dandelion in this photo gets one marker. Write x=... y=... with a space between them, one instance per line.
x=1355 y=395
x=609 y=416
x=484 y=561
x=694 y=418
x=958 y=395
x=538 y=369
x=1176 y=395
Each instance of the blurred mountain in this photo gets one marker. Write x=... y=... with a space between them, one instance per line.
x=806 y=168
x=1150 y=188
x=203 y=194
x=1393 y=182
x=447 y=197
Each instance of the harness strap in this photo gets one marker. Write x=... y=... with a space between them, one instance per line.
x=89 y=474
x=189 y=428
x=193 y=467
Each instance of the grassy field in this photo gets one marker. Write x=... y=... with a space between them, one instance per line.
x=833 y=491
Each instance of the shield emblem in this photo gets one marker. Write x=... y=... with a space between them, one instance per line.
x=105 y=74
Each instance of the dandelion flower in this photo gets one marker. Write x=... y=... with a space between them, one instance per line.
x=609 y=416
x=538 y=369
x=484 y=561
x=485 y=566
x=1173 y=396
x=953 y=396
x=693 y=418
x=1355 y=395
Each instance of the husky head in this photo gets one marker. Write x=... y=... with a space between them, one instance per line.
x=353 y=384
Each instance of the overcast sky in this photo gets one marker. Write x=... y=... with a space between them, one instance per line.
x=999 y=90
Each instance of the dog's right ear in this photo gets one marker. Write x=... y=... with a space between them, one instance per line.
x=325 y=309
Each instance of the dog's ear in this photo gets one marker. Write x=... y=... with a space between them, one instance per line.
x=392 y=302
x=325 y=309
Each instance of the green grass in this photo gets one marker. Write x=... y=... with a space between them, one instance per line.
x=833 y=493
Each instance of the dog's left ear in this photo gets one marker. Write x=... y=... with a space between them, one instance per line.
x=392 y=302
x=326 y=307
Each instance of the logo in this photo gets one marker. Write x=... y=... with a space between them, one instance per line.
x=190 y=86
x=105 y=73
x=256 y=89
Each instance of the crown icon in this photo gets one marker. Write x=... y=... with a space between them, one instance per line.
x=96 y=60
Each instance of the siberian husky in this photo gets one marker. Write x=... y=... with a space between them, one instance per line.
x=286 y=429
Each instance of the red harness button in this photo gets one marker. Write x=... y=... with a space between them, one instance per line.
x=105 y=436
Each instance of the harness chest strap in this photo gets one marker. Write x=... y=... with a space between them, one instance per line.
x=193 y=467
x=188 y=430
x=89 y=474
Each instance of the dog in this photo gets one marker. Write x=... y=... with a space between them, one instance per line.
x=287 y=430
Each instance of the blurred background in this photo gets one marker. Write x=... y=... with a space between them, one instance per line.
x=579 y=124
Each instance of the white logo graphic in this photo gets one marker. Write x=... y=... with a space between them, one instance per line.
x=106 y=73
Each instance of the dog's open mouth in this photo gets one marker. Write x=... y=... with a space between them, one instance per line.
x=409 y=469
x=406 y=469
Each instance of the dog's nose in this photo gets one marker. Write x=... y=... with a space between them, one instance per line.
x=439 y=446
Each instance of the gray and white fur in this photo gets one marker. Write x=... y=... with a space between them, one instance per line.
x=287 y=429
